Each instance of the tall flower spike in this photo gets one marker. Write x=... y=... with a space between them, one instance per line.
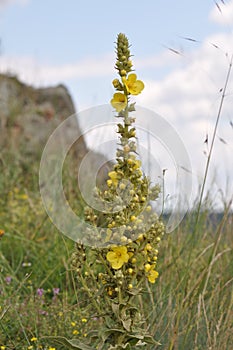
x=123 y=64
x=129 y=85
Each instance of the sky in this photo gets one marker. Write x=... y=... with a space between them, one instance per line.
x=182 y=51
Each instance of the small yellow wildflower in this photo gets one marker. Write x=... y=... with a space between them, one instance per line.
x=117 y=257
x=73 y=324
x=84 y=320
x=147 y=267
x=137 y=164
x=148 y=246
x=75 y=332
x=109 y=183
x=33 y=339
x=133 y=85
x=23 y=196
x=124 y=239
x=122 y=186
x=110 y=291
x=50 y=348
x=152 y=276
x=119 y=101
x=3 y=347
x=113 y=177
x=30 y=347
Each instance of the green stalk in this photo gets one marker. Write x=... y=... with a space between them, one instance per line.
x=212 y=144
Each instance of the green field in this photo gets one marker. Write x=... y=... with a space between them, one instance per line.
x=39 y=297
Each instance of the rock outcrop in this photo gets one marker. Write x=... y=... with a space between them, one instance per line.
x=28 y=116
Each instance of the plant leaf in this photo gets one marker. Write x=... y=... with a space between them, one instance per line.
x=70 y=344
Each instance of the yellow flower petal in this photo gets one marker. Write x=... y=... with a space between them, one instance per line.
x=117 y=257
x=114 y=177
x=119 y=101
x=152 y=276
x=133 y=85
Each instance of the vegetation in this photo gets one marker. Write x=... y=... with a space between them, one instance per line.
x=43 y=303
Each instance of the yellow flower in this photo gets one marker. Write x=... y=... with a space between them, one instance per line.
x=119 y=101
x=152 y=276
x=133 y=85
x=33 y=339
x=137 y=164
x=113 y=177
x=118 y=256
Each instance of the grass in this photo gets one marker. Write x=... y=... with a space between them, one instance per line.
x=39 y=294
x=192 y=298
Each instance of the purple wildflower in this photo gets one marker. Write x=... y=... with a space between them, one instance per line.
x=8 y=279
x=40 y=292
x=56 y=291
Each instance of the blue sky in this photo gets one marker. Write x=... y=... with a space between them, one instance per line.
x=72 y=42
x=58 y=33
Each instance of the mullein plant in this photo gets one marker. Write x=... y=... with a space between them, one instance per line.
x=112 y=279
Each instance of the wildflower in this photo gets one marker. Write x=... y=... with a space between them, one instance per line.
x=133 y=85
x=137 y=164
x=152 y=276
x=3 y=347
x=113 y=177
x=33 y=339
x=119 y=101
x=23 y=196
x=117 y=257
x=148 y=246
x=50 y=348
x=40 y=292
x=147 y=267
x=2 y=233
x=8 y=279
x=117 y=85
x=133 y=260
x=84 y=320
x=56 y=291
x=73 y=324
x=75 y=332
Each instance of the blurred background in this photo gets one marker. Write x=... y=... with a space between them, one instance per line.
x=182 y=53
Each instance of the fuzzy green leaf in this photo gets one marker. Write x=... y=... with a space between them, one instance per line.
x=70 y=344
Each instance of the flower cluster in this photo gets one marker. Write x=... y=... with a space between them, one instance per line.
x=131 y=229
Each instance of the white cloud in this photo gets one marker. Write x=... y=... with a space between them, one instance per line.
x=223 y=13
x=5 y=3
x=31 y=71
x=189 y=99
